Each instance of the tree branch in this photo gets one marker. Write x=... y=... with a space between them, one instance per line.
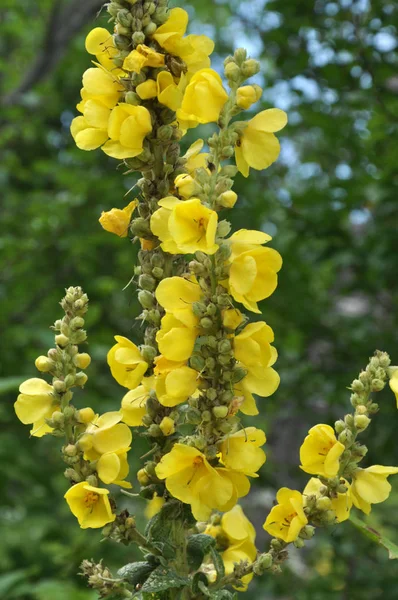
x=63 y=24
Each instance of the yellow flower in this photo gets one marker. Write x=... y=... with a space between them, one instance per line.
x=195 y=159
x=341 y=504
x=239 y=534
x=247 y=95
x=127 y=128
x=112 y=467
x=90 y=505
x=118 y=220
x=153 y=506
x=203 y=99
x=105 y=435
x=394 y=384
x=320 y=452
x=253 y=350
x=141 y=57
x=167 y=426
x=176 y=295
x=253 y=272
x=185 y=185
x=147 y=89
x=191 y=479
x=232 y=318
x=169 y=92
x=175 y=339
x=370 y=486
x=287 y=518
x=101 y=92
x=227 y=199
x=176 y=385
x=185 y=227
x=258 y=147
x=126 y=363
x=193 y=49
x=99 y=42
x=35 y=404
x=134 y=406
x=241 y=451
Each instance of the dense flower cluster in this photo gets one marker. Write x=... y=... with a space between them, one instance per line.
x=202 y=363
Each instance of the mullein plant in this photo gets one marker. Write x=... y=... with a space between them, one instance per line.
x=202 y=363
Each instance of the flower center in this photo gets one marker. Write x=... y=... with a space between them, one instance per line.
x=197 y=461
x=91 y=499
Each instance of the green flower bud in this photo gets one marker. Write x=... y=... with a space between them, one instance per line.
x=345 y=437
x=355 y=400
x=210 y=363
x=154 y=430
x=220 y=412
x=132 y=98
x=157 y=272
x=240 y=55
x=211 y=394
x=349 y=420
x=223 y=228
x=124 y=17
x=206 y=416
x=232 y=71
x=148 y=353
x=224 y=346
x=206 y=323
x=161 y=15
x=92 y=480
x=140 y=227
x=59 y=386
x=307 y=532
x=373 y=408
x=224 y=300
x=199 y=309
x=121 y=42
x=70 y=450
x=298 y=543
x=224 y=251
x=227 y=396
x=72 y=475
x=263 y=563
x=339 y=426
x=146 y=299
x=81 y=379
x=70 y=380
x=69 y=412
x=357 y=386
x=323 y=503
x=250 y=67
x=377 y=385
x=146 y=282
x=225 y=359
x=61 y=340
x=361 y=422
x=196 y=268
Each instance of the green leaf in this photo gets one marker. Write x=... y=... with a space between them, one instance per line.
x=9 y=580
x=136 y=573
x=162 y=579
x=218 y=563
x=375 y=536
x=199 y=581
x=197 y=547
x=222 y=595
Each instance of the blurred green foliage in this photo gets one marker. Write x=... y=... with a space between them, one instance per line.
x=331 y=204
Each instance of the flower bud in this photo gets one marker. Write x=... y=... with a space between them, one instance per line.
x=263 y=563
x=345 y=437
x=92 y=480
x=227 y=199
x=146 y=299
x=250 y=67
x=85 y=415
x=61 y=340
x=232 y=71
x=206 y=323
x=349 y=420
x=211 y=394
x=140 y=227
x=223 y=228
x=339 y=426
x=224 y=346
x=59 y=386
x=377 y=385
x=148 y=353
x=307 y=532
x=150 y=28
x=247 y=95
x=81 y=379
x=167 y=426
x=361 y=422
x=142 y=477
x=206 y=416
x=299 y=542
x=157 y=272
x=70 y=450
x=323 y=503
x=193 y=416
x=44 y=364
x=154 y=430
x=146 y=282
x=82 y=361
x=357 y=386
x=220 y=412
x=72 y=475
x=132 y=98
x=197 y=362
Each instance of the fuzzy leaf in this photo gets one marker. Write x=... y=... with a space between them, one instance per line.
x=162 y=579
x=197 y=548
x=218 y=563
x=375 y=536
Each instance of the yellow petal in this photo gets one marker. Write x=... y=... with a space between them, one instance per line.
x=112 y=439
x=108 y=467
x=270 y=120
